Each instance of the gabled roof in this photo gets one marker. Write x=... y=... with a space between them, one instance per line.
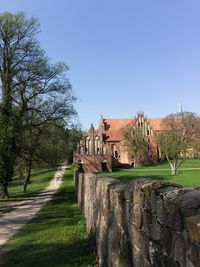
x=155 y=124
x=116 y=124
x=113 y=127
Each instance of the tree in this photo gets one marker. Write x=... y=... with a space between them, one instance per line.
x=34 y=92
x=136 y=143
x=53 y=145
x=180 y=132
x=74 y=135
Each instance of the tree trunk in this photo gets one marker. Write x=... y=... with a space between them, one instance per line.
x=173 y=165
x=134 y=162
x=27 y=180
x=4 y=191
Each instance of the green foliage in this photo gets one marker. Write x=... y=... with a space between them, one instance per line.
x=74 y=135
x=136 y=144
x=171 y=144
x=75 y=167
x=35 y=93
x=181 y=131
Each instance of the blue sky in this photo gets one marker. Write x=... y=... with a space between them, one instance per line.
x=124 y=56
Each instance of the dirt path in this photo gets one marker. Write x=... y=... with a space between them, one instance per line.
x=11 y=222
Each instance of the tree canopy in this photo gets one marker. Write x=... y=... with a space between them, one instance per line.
x=34 y=92
x=180 y=132
x=136 y=144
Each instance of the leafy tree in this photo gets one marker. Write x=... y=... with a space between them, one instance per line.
x=135 y=143
x=74 y=135
x=53 y=145
x=180 y=132
x=34 y=92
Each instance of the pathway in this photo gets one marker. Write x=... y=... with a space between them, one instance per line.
x=13 y=221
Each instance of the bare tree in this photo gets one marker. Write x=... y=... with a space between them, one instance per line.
x=180 y=132
x=135 y=142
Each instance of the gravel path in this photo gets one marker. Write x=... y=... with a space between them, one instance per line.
x=24 y=211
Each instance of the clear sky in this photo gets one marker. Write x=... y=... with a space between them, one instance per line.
x=124 y=56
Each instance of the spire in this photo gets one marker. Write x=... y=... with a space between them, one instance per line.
x=180 y=108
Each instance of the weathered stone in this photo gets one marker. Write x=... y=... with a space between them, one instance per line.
x=190 y=198
x=155 y=230
x=147 y=221
x=188 y=212
x=156 y=255
x=193 y=255
x=179 y=249
x=166 y=239
x=119 y=246
x=137 y=216
x=174 y=216
x=193 y=226
x=170 y=262
x=139 y=260
x=140 y=223
x=134 y=235
x=160 y=209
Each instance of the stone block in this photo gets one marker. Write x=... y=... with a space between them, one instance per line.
x=160 y=209
x=174 y=216
x=179 y=249
x=193 y=255
x=143 y=223
x=155 y=230
x=193 y=226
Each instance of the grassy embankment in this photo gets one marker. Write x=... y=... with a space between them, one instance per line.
x=188 y=174
x=55 y=237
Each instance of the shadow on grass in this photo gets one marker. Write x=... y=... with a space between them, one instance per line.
x=55 y=237
x=77 y=253
x=19 y=182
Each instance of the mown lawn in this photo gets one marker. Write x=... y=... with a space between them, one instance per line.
x=39 y=180
x=189 y=173
x=55 y=238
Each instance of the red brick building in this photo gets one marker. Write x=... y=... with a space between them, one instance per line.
x=102 y=149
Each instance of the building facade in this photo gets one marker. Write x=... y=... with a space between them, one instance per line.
x=106 y=148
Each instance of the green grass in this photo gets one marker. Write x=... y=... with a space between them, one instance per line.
x=189 y=173
x=55 y=238
x=39 y=180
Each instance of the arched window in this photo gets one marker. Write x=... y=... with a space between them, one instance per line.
x=87 y=145
x=96 y=145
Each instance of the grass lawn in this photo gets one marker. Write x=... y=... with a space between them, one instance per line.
x=55 y=238
x=189 y=173
x=39 y=180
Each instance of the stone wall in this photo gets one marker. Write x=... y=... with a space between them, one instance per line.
x=140 y=223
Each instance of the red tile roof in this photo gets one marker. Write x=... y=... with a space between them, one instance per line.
x=155 y=124
x=113 y=127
